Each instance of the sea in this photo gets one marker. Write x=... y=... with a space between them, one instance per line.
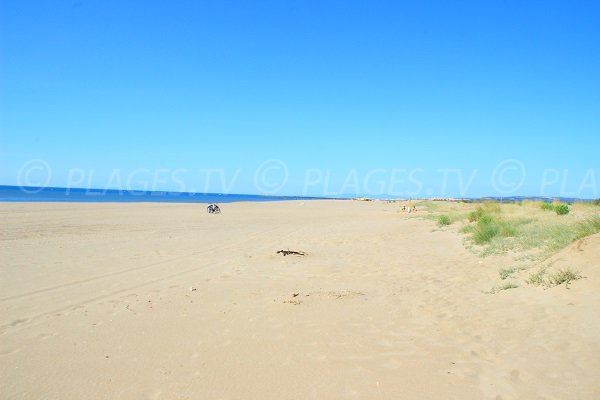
x=58 y=194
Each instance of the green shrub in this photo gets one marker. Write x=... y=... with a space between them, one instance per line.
x=547 y=206
x=561 y=209
x=596 y=202
x=443 y=220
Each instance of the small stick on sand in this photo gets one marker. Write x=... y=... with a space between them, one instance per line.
x=287 y=252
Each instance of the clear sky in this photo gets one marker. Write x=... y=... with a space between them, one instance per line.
x=413 y=98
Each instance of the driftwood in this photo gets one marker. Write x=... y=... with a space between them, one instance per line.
x=288 y=252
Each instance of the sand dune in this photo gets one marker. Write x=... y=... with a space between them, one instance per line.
x=163 y=301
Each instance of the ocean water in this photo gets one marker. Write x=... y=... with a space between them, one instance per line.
x=52 y=194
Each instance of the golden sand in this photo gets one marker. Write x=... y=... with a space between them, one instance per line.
x=164 y=301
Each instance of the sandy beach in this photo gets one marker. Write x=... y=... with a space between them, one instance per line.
x=164 y=301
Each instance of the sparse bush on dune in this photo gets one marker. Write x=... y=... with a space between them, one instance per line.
x=596 y=202
x=443 y=220
x=537 y=278
x=475 y=215
x=559 y=277
x=561 y=209
x=556 y=206
x=563 y=276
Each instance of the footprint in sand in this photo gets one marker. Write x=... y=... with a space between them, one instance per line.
x=19 y=321
x=8 y=352
x=44 y=336
x=514 y=374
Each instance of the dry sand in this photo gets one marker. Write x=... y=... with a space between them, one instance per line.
x=163 y=301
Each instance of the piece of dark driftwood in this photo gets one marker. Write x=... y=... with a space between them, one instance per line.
x=288 y=252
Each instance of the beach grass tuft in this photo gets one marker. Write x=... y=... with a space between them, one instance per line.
x=537 y=278
x=508 y=272
x=540 y=278
x=504 y=286
x=488 y=227
x=443 y=220
x=476 y=215
x=563 y=276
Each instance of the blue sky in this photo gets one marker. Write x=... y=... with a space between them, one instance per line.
x=419 y=98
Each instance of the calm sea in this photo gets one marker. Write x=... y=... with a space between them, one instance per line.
x=51 y=194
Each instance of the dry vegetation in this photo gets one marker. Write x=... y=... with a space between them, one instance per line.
x=528 y=231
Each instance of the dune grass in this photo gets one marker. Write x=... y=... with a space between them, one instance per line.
x=498 y=234
x=443 y=220
x=489 y=226
x=494 y=228
x=508 y=272
x=476 y=215
x=588 y=227
x=537 y=278
x=525 y=231
x=540 y=278
x=547 y=206
x=563 y=276
x=504 y=286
